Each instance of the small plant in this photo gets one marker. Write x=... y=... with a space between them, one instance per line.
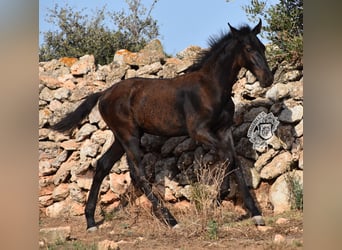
x=213 y=230
x=296 y=191
x=204 y=194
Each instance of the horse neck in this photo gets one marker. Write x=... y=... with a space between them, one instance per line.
x=223 y=71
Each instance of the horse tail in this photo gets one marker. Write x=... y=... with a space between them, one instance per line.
x=72 y=119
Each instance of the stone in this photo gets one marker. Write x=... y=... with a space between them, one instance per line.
x=278 y=238
x=61 y=93
x=63 y=172
x=57 y=209
x=281 y=221
x=109 y=198
x=76 y=193
x=60 y=192
x=293 y=75
x=45 y=168
x=264 y=159
x=189 y=53
x=54 y=235
x=68 y=61
x=45 y=200
x=151 y=53
x=291 y=114
x=107 y=245
x=149 y=69
x=299 y=129
x=60 y=159
x=250 y=77
x=278 y=91
x=84 y=65
x=88 y=149
x=301 y=160
x=55 y=105
x=296 y=90
x=285 y=134
x=84 y=182
x=280 y=192
x=70 y=145
x=121 y=166
x=279 y=164
x=119 y=183
x=85 y=131
x=50 y=81
x=46 y=95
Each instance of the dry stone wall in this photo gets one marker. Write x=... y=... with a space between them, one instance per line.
x=67 y=161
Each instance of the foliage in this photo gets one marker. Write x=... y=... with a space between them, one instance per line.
x=284 y=27
x=139 y=25
x=79 y=34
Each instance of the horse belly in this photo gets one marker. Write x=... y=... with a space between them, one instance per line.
x=160 y=118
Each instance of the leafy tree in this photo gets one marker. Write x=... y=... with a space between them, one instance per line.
x=79 y=34
x=138 y=25
x=284 y=27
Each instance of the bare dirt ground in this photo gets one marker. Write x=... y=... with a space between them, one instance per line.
x=220 y=228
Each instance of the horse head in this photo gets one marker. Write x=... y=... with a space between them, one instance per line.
x=251 y=53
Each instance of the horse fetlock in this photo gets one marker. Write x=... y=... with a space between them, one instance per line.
x=258 y=220
x=92 y=229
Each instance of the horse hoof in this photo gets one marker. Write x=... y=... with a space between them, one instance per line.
x=258 y=220
x=92 y=229
x=177 y=226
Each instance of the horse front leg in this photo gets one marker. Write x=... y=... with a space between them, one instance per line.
x=234 y=166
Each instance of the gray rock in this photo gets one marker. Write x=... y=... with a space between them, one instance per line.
x=57 y=209
x=84 y=65
x=299 y=129
x=88 y=148
x=149 y=69
x=45 y=168
x=291 y=114
x=278 y=91
x=264 y=159
x=46 y=95
x=279 y=165
x=250 y=77
x=285 y=134
x=85 y=131
x=60 y=192
x=60 y=159
x=281 y=192
x=76 y=193
x=61 y=93
x=54 y=235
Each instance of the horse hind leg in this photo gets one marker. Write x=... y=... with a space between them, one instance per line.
x=104 y=165
x=139 y=180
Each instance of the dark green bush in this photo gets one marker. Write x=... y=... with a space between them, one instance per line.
x=79 y=34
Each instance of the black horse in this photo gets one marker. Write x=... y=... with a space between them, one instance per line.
x=197 y=103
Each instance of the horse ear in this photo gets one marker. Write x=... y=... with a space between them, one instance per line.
x=234 y=31
x=257 y=28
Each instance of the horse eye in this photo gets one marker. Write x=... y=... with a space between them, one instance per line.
x=249 y=49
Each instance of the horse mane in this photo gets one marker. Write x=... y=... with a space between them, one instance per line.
x=216 y=44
